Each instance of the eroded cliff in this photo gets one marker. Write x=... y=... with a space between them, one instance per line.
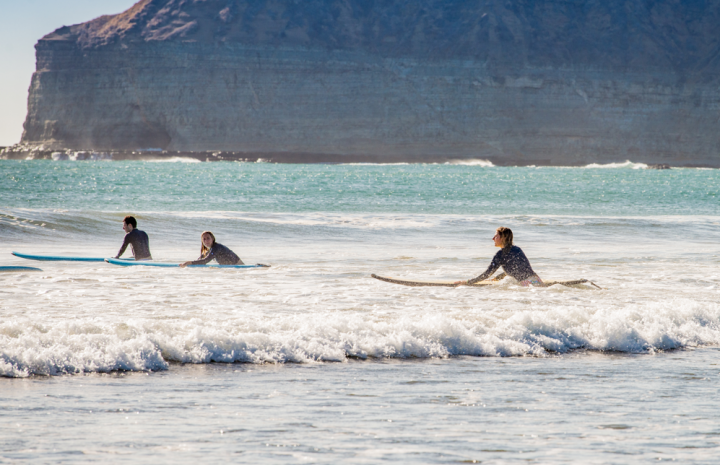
x=524 y=82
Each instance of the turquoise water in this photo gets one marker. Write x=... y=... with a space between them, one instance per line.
x=432 y=189
x=312 y=360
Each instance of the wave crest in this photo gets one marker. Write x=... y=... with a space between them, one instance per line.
x=626 y=164
x=471 y=162
x=142 y=345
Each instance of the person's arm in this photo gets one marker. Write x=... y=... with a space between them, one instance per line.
x=125 y=243
x=202 y=260
x=494 y=265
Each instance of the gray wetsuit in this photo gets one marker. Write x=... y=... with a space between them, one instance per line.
x=139 y=244
x=222 y=254
x=513 y=261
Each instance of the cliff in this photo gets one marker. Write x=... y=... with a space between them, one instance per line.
x=523 y=82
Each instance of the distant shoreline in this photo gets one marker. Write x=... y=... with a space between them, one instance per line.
x=307 y=158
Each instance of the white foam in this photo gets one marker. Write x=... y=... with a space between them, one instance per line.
x=415 y=220
x=31 y=218
x=471 y=162
x=174 y=160
x=627 y=164
x=71 y=347
x=89 y=345
x=375 y=164
x=80 y=156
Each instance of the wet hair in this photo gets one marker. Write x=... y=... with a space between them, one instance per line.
x=131 y=221
x=506 y=236
x=203 y=249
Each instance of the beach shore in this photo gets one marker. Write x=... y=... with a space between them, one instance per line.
x=14 y=153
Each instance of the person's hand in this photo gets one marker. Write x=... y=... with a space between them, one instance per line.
x=184 y=264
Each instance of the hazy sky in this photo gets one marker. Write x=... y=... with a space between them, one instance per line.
x=23 y=23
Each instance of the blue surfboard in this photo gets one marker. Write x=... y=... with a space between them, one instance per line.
x=51 y=258
x=115 y=261
x=18 y=268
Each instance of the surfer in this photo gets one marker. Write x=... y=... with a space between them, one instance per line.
x=138 y=240
x=210 y=250
x=512 y=259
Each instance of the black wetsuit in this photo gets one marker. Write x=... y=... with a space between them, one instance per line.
x=139 y=243
x=222 y=254
x=514 y=263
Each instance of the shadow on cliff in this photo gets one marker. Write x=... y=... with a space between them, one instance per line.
x=128 y=137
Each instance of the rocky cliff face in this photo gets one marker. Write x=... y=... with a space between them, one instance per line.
x=523 y=82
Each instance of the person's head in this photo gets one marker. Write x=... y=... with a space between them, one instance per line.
x=208 y=240
x=503 y=237
x=129 y=223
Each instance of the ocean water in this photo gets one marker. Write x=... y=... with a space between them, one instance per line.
x=312 y=360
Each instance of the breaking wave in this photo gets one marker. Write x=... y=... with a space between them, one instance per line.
x=471 y=162
x=80 y=156
x=627 y=165
x=32 y=348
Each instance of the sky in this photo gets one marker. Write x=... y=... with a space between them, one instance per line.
x=22 y=24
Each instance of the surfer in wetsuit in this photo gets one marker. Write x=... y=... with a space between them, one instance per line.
x=512 y=259
x=138 y=240
x=211 y=250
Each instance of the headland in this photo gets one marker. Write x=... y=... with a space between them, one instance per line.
x=528 y=83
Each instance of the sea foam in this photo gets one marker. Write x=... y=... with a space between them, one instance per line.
x=80 y=156
x=471 y=162
x=626 y=164
x=28 y=348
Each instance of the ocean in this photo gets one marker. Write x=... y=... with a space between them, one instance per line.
x=313 y=361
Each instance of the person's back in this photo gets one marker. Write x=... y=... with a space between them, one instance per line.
x=138 y=241
x=514 y=263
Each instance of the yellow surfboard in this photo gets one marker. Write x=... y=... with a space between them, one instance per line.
x=442 y=283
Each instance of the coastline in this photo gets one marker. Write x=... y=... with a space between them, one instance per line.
x=22 y=153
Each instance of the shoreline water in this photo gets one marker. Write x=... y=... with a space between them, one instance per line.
x=319 y=303
x=508 y=374
x=296 y=158
x=581 y=407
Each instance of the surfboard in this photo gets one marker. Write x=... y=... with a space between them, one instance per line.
x=423 y=283
x=5 y=269
x=52 y=258
x=115 y=261
x=441 y=283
